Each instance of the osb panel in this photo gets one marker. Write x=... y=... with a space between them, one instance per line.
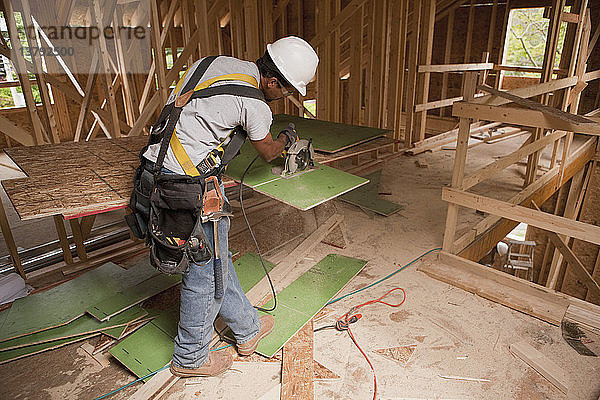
x=73 y=178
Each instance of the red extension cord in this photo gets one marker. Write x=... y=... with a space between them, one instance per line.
x=343 y=324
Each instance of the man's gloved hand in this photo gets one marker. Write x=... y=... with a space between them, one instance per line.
x=291 y=135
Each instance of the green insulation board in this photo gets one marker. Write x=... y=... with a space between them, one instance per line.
x=21 y=352
x=68 y=301
x=131 y=296
x=144 y=351
x=305 y=297
x=367 y=197
x=249 y=270
x=305 y=190
x=328 y=137
x=151 y=347
x=81 y=326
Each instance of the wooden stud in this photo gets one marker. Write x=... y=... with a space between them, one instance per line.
x=507 y=7
x=88 y=97
x=37 y=65
x=447 y=53
x=78 y=239
x=411 y=82
x=356 y=34
x=470 y=83
x=159 y=53
x=425 y=54
x=21 y=69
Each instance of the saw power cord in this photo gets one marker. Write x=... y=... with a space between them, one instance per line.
x=241 y=199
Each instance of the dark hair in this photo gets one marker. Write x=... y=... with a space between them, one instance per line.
x=268 y=69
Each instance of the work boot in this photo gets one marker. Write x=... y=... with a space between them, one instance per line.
x=218 y=362
x=267 y=322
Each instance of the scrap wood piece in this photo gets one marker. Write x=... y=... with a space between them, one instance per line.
x=81 y=326
x=534 y=105
x=573 y=335
x=297 y=372
x=156 y=386
x=464 y=378
x=400 y=354
x=587 y=317
x=131 y=296
x=336 y=238
x=543 y=365
x=100 y=358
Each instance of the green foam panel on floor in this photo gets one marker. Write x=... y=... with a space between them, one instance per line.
x=144 y=351
x=327 y=136
x=249 y=270
x=132 y=295
x=68 y=301
x=81 y=326
x=367 y=197
x=151 y=347
x=306 y=296
x=21 y=352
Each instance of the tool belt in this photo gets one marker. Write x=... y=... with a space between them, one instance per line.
x=165 y=208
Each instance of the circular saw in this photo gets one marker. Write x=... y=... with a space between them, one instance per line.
x=300 y=156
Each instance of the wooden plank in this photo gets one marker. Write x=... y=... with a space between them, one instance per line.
x=88 y=97
x=500 y=164
x=587 y=232
x=159 y=53
x=572 y=259
x=563 y=115
x=543 y=365
x=411 y=81
x=459 y=161
x=356 y=35
x=588 y=318
x=15 y=132
x=524 y=117
x=488 y=232
x=78 y=239
x=456 y=67
x=425 y=55
x=447 y=54
x=518 y=294
x=298 y=366
x=347 y=12
x=469 y=40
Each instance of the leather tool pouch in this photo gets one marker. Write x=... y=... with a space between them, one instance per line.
x=176 y=237
x=139 y=202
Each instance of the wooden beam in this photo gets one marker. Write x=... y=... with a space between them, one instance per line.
x=478 y=241
x=88 y=97
x=159 y=53
x=411 y=81
x=458 y=172
x=523 y=117
x=547 y=368
x=498 y=165
x=587 y=232
x=456 y=67
x=497 y=286
x=425 y=54
x=572 y=259
x=15 y=132
x=356 y=35
x=37 y=65
x=469 y=40
x=447 y=54
x=335 y=22
x=533 y=105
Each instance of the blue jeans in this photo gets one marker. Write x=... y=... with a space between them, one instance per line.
x=199 y=308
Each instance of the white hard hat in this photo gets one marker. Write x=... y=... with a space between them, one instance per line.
x=295 y=59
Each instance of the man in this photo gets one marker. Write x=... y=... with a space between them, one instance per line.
x=204 y=124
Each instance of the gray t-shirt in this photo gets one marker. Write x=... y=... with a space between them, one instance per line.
x=204 y=123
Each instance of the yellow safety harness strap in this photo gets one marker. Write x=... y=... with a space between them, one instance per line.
x=180 y=154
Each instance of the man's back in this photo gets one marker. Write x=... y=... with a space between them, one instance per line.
x=206 y=122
